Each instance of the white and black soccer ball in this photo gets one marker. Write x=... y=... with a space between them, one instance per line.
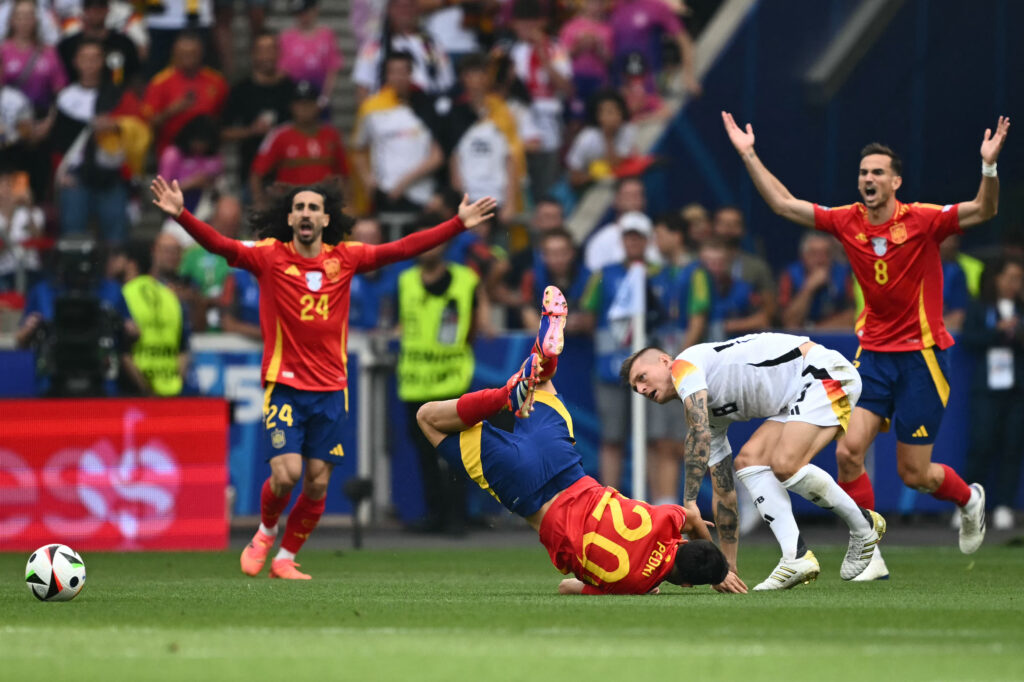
x=55 y=573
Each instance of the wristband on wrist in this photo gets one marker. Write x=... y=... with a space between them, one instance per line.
x=988 y=169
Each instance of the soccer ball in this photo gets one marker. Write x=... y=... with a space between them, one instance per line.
x=55 y=573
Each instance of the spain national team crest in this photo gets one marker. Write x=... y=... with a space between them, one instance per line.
x=277 y=439
x=314 y=280
x=332 y=268
x=881 y=245
x=898 y=232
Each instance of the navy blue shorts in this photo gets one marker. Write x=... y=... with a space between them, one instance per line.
x=910 y=384
x=311 y=423
x=525 y=468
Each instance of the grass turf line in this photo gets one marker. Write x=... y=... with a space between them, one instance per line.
x=494 y=615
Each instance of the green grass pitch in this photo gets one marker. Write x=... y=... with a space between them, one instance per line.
x=471 y=614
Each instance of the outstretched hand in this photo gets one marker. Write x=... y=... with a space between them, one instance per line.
x=743 y=141
x=477 y=212
x=731 y=585
x=991 y=144
x=168 y=198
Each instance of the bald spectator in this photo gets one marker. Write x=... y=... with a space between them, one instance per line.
x=817 y=290
x=204 y=272
x=730 y=226
x=184 y=90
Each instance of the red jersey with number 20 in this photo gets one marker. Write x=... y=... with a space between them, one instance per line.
x=899 y=269
x=304 y=302
x=612 y=543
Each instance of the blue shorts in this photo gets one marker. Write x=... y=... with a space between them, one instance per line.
x=911 y=384
x=311 y=423
x=525 y=468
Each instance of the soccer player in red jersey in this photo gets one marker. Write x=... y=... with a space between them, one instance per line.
x=894 y=251
x=304 y=268
x=612 y=544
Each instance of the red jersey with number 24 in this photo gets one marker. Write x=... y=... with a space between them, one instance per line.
x=899 y=269
x=614 y=544
x=304 y=302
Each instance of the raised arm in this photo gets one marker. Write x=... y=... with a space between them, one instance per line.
x=771 y=189
x=169 y=199
x=470 y=215
x=986 y=204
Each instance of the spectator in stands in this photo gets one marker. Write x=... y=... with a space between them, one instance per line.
x=547 y=216
x=46 y=20
x=240 y=305
x=486 y=137
x=642 y=99
x=20 y=221
x=119 y=17
x=638 y=26
x=161 y=351
x=604 y=144
x=698 y=227
x=168 y=20
x=365 y=18
x=88 y=186
x=511 y=90
x=730 y=226
x=449 y=25
x=224 y=19
x=374 y=294
x=955 y=291
x=29 y=64
x=184 y=90
x=205 y=272
x=605 y=245
x=195 y=159
x=309 y=52
x=994 y=335
x=17 y=124
x=543 y=65
x=121 y=56
x=303 y=151
x=559 y=264
x=736 y=307
x=432 y=71
x=683 y=291
x=588 y=38
x=816 y=292
x=256 y=104
x=393 y=150
x=439 y=308
x=612 y=343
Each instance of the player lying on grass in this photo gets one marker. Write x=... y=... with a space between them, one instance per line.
x=612 y=544
x=805 y=392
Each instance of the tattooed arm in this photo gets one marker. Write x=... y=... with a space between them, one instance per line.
x=697 y=444
x=726 y=509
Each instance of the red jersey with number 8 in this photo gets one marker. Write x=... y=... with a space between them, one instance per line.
x=614 y=544
x=304 y=302
x=899 y=270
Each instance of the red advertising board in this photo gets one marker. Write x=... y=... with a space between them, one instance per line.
x=113 y=474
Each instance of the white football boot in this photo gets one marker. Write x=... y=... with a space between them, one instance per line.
x=972 y=521
x=791 y=572
x=876 y=570
x=862 y=548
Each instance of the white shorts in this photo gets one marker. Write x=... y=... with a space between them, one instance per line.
x=828 y=389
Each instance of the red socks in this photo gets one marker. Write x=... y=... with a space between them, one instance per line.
x=301 y=521
x=271 y=506
x=548 y=365
x=479 y=405
x=860 y=490
x=953 y=488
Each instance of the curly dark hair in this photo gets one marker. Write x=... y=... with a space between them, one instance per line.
x=273 y=221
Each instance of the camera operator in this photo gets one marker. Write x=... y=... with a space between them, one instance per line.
x=77 y=322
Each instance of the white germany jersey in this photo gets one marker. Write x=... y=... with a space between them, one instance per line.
x=750 y=377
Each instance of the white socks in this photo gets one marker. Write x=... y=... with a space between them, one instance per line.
x=772 y=503
x=815 y=485
x=284 y=554
x=269 y=531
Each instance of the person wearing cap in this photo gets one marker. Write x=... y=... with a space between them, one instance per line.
x=604 y=246
x=303 y=151
x=612 y=343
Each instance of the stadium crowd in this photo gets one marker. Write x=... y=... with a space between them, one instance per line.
x=528 y=101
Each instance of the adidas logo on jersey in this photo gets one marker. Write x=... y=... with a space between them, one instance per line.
x=921 y=433
x=338 y=451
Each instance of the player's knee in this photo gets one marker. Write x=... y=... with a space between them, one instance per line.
x=423 y=415
x=749 y=457
x=314 y=489
x=913 y=476
x=284 y=480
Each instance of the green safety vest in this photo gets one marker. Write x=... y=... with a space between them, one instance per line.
x=157 y=312
x=436 y=360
